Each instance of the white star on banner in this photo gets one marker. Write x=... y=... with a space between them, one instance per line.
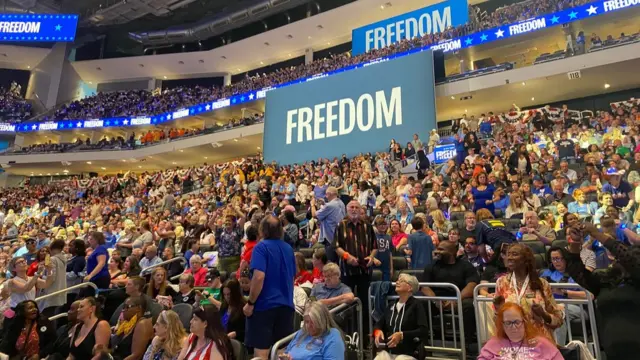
x=592 y=10
x=79 y=124
x=169 y=117
x=126 y=122
x=251 y=96
x=208 y=107
x=499 y=33
x=34 y=127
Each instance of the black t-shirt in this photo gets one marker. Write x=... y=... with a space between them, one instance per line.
x=493 y=232
x=566 y=148
x=461 y=273
x=189 y=298
x=464 y=233
x=492 y=273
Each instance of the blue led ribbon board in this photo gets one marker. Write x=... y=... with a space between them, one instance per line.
x=38 y=27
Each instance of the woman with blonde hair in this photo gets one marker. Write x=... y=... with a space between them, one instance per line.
x=517 y=339
x=159 y=286
x=440 y=224
x=168 y=339
x=319 y=338
x=517 y=205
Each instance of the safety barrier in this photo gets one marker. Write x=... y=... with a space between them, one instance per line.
x=58 y=316
x=282 y=343
x=439 y=345
x=64 y=291
x=149 y=269
x=485 y=315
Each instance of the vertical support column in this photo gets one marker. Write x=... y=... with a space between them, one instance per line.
x=308 y=56
x=18 y=141
x=227 y=79
x=570 y=39
x=46 y=76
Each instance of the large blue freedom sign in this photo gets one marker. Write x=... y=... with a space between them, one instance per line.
x=430 y=20
x=38 y=27
x=351 y=112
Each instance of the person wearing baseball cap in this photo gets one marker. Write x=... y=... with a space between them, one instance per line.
x=211 y=295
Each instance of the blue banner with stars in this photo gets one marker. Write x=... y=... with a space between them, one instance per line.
x=487 y=36
x=38 y=27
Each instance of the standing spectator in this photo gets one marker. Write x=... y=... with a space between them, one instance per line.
x=77 y=262
x=252 y=239
x=229 y=245
x=621 y=191
x=329 y=216
x=270 y=309
x=59 y=275
x=419 y=246
x=355 y=243
x=384 y=257
x=97 y=270
x=483 y=194
x=566 y=148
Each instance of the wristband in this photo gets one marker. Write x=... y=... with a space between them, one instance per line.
x=377 y=332
x=345 y=255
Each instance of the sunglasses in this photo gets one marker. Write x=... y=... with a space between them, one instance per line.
x=129 y=306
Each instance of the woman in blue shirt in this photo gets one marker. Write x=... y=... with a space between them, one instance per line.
x=483 y=194
x=319 y=339
x=97 y=270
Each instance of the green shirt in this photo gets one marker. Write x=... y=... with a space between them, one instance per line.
x=212 y=292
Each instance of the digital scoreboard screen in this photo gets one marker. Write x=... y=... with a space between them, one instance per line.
x=38 y=27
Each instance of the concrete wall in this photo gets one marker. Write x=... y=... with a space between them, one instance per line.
x=46 y=77
x=11 y=181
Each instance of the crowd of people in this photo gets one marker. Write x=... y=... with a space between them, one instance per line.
x=13 y=106
x=145 y=103
x=135 y=141
x=568 y=183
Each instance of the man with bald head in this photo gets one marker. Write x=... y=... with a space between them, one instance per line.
x=447 y=268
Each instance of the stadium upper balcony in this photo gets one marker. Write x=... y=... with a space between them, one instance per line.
x=117 y=109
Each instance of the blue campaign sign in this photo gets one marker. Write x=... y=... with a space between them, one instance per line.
x=38 y=27
x=352 y=112
x=442 y=153
x=429 y=20
x=566 y=16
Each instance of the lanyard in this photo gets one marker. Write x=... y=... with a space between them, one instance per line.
x=523 y=290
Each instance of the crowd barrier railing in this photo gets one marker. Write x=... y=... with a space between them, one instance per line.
x=485 y=315
x=64 y=291
x=357 y=303
x=149 y=270
x=438 y=345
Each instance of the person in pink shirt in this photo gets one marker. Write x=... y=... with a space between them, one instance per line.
x=516 y=338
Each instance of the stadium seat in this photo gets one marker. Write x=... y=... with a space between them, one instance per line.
x=308 y=264
x=456 y=215
x=184 y=311
x=559 y=243
x=498 y=213
x=540 y=263
x=420 y=209
x=537 y=246
x=376 y=275
x=399 y=263
x=239 y=351
x=114 y=318
x=155 y=309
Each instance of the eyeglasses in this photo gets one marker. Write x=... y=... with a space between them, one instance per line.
x=512 y=324
x=556 y=259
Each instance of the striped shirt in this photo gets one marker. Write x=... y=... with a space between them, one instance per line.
x=358 y=239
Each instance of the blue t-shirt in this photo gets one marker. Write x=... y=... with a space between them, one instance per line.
x=384 y=241
x=556 y=276
x=275 y=258
x=421 y=246
x=620 y=194
x=327 y=347
x=320 y=192
x=92 y=262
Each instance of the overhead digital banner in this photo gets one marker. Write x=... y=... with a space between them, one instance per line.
x=38 y=27
x=430 y=20
x=352 y=112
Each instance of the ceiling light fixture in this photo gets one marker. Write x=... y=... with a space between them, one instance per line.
x=89 y=162
x=261 y=62
x=65 y=170
x=181 y=150
x=48 y=174
x=103 y=168
x=174 y=163
x=524 y=83
x=258 y=147
x=28 y=67
x=381 y=7
x=57 y=173
x=206 y=157
x=453 y=97
x=139 y=167
x=124 y=160
x=165 y=77
x=236 y=140
x=39 y=174
x=606 y=86
x=533 y=99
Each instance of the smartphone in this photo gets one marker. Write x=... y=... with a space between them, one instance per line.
x=47 y=260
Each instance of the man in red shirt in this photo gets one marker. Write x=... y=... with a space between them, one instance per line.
x=247 y=250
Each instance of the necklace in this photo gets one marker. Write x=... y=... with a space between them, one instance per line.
x=514 y=355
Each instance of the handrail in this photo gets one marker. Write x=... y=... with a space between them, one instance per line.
x=336 y=310
x=144 y=271
x=58 y=316
x=64 y=291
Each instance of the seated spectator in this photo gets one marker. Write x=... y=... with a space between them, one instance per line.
x=319 y=338
x=130 y=268
x=302 y=275
x=472 y=256
x=193 y=248
x=115 y=267
x=447 y=268
x=245 y=283
x=556 y=273
x=398 y=236
x=534 y=230
x=332 y=292
x=403 y=322
x=523 y=286
x=168 y=339
x=319 y=259
x=134 y=332
x=151 y=257
x=419 y=245
x=580 y=206
x=41 y=254
x=233 y=318
x=186 y=294
x=90 y=331
x=29 y=335
x=197 y=270
x=173 y=268
x=159 y=288
x=516 y=336
x=213 y=292
x=605 y=200
x=517 y=206
x=207 y=336
x=61 y=345
x=495 y=269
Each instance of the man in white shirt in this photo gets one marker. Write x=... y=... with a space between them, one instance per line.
x=569 y=173
x=471 y=158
